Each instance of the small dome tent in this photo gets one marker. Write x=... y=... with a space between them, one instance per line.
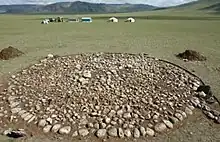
x=132 y=20
x=113 y=19
x=45 y=21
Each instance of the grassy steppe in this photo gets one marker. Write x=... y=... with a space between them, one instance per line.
x=159 y=38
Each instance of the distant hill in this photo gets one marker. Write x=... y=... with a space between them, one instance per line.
x=76 y=7
x=206 y=5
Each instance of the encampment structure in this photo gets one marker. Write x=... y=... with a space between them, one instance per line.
x=132 y=20
x=73 y=20
x=113 y=19
x=46 y=21
x=86 y=19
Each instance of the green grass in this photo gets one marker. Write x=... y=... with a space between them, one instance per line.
x=159 y=38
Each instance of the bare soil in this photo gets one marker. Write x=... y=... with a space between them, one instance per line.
x=191 y=55
x=10 y=52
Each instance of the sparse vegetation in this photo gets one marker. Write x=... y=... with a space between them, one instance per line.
x=159 y=38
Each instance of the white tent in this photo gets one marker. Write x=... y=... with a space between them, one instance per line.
x=45 y=22
x=130 y=20
x=113 y=19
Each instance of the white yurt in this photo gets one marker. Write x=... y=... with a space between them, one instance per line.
x=45 y=22
x=113 y=19
x=132 y=20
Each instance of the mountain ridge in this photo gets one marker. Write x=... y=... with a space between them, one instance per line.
x=75 y=7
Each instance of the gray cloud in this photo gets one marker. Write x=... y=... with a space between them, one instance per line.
x=152 y=2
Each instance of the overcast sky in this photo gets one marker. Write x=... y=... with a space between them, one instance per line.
x=151 y=2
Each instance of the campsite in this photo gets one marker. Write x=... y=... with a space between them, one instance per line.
x=115 y=77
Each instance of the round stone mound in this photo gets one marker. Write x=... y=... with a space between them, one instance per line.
x=103 y=94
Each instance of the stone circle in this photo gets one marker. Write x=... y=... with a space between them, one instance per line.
x=105 y=94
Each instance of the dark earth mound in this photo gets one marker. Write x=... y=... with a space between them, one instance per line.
x=191 y=55
x=10 y=52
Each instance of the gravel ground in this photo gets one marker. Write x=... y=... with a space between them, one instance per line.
x=104 y=96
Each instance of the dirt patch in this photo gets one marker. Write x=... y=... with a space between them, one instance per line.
x=10 y=52
x=3 y=83
x=191 y=55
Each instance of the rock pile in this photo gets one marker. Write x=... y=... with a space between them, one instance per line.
x=10 y=52
x=191 y=55
x=117 y=95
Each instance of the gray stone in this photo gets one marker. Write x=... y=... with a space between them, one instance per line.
x=210 y=115
x=160 y=127
x=191 y=107
x=195 y=88
x=21 y=112
x=184 y=114
x=83 y=132
x=218 y=120
x=42 y=123
x=127 y=115
x=195 y=101
x=28 y=117
x=78 y=66
x=120 y=122
x=75 y=134
x=83 y=81
x=65 y=130
x=25 y=115
x=15 y=110
x=131 y=126
x=90 y=125
x=47 y=128
x=96 y=125
x=107 y=120
x=174 y=120
x=207 y=108
x=188 y=111
x=113 y=123
x=101 y=133
x=87 y=74
x=49 y=120
x=127 y=133
x=202 y=94
x=121 y=133
x=11 y=98
x=83 y=121
x=168 y=124
x=32 y=119
x=136 y=133
x=112 y=113
x=92 y=130
x=113 y=132
x=216 y=113
x=120 y=112
x=56 y=128
x=129 y=108
x=14 y=104
x=37 y=107
x=143 y=131
x=150 y=132
x=179 y=116
x=102 y=125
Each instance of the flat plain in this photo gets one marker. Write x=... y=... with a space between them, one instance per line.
x=159 y=38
